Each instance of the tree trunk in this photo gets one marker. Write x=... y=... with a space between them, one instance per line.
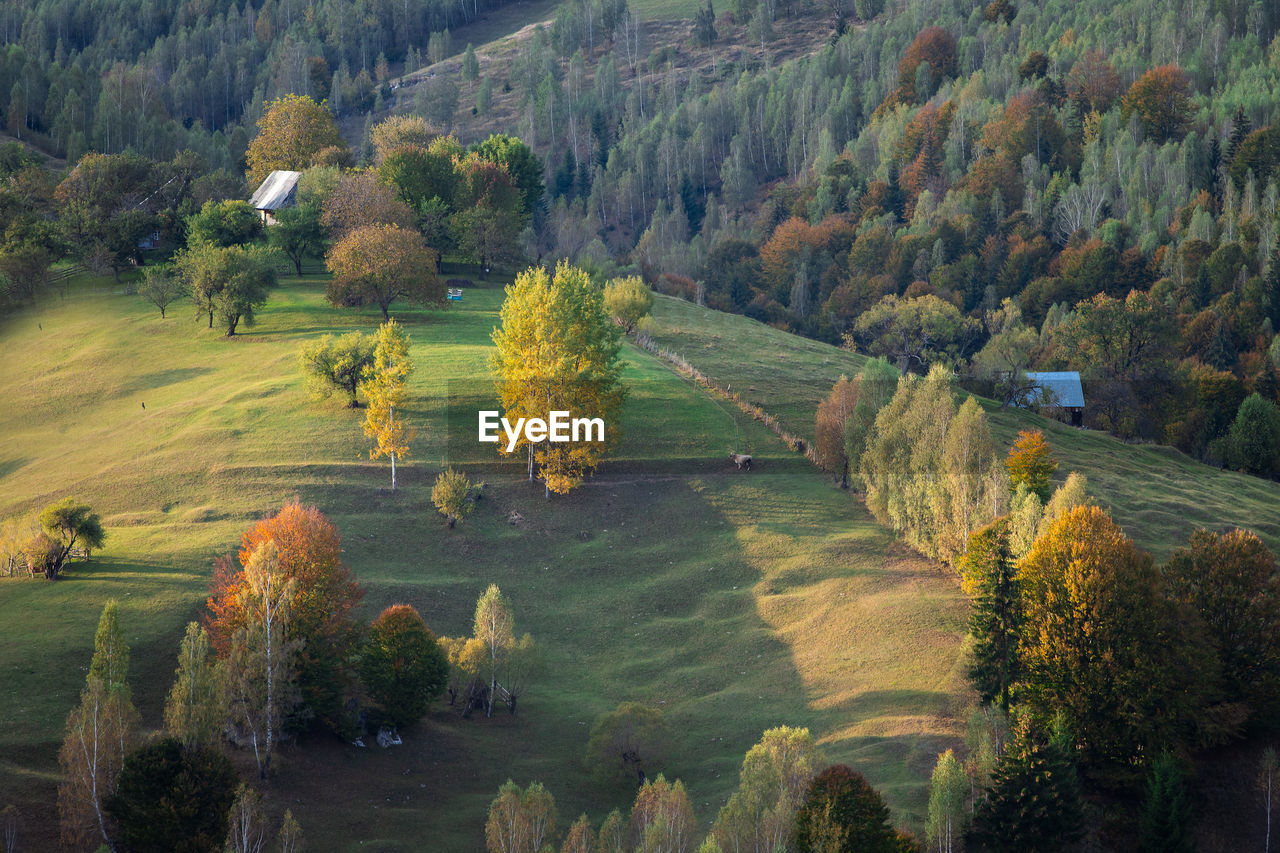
x=530 y=449
x=297 y=265
x=161 y=312
x=393 y=472
x=386 y=317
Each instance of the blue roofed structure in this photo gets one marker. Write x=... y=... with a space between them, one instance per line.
x=1060 y=390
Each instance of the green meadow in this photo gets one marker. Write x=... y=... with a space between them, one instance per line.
x=733 y=601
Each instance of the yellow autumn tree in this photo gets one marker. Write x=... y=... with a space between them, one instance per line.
x=557 y=351
x=385 y=386
x=290 y=134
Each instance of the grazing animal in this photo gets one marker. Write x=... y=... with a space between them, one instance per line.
x=742 y=460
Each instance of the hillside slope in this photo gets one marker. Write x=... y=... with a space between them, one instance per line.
x=734 y=602
x=1156 y=493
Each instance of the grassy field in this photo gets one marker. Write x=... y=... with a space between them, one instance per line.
x=1157 y=494
x=735 y=602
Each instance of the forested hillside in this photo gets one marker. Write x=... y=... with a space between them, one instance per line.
x=934 y=161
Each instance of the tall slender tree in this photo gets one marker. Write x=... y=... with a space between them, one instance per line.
x=101 y=732
x=385 y=385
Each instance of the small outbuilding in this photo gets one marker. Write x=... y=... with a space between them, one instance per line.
x=280 y=189
x=1060 y=391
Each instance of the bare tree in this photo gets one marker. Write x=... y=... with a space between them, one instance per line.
x=1080 y=207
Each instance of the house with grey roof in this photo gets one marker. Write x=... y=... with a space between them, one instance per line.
x=1059 y=391
x=280 y=189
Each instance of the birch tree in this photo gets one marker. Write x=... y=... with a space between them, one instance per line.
x=195 y=710
x=385 y=387
x=493 y=627
x=101 y=731
x=263 y=684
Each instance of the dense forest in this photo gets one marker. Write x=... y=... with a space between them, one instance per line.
x=162 y=77
x=945 y=158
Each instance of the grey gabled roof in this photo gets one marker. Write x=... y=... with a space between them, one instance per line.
x=276 y=191
x=1064 y=385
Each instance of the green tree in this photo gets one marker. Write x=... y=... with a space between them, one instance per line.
x=101 y=209
x=842 y=813
x=628 y=301
x=69 y=523
x=915 y=333
x=1031 y=463
x=876 y=384
x=161 y=288
x=195 y=710
x=761 y=813
x=297 y=233
x=451 y=495
x=628 y=741
x=385 y=385
x=401 y=132
x=1253 y=444
x=338 y=364
x=1231 y=582
x=101 y=732
x=1165 y=824
x=557 y=350
x=470 y=65
x=989 y=576
x=175 y=798
x=704 y=25
x=948 y=789
x=520 y=821
x=224 y=223
x=229 y=282
x=402 y=665
x=378 y=264
x=1033 y=802
x=524 y=166
x=292 y=131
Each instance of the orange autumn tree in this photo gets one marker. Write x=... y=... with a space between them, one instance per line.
x=1031 y=463
x=1161 y=101
x=310 y=553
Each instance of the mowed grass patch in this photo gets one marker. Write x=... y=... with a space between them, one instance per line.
x=1156 y=493
x=733 y=601
x=784 y=374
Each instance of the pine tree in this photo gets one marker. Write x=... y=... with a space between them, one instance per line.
x=990 y=577
x=1033 y=802
x=1165 y=825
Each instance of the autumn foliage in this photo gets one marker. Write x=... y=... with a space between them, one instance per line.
x=310 y=554
x=292 y=131
x=1031 y=463
x=1160 y=99
x=378 y=264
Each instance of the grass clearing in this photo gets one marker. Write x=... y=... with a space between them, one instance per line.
x=733 y=601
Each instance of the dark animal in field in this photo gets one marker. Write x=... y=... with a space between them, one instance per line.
x=742 y=460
